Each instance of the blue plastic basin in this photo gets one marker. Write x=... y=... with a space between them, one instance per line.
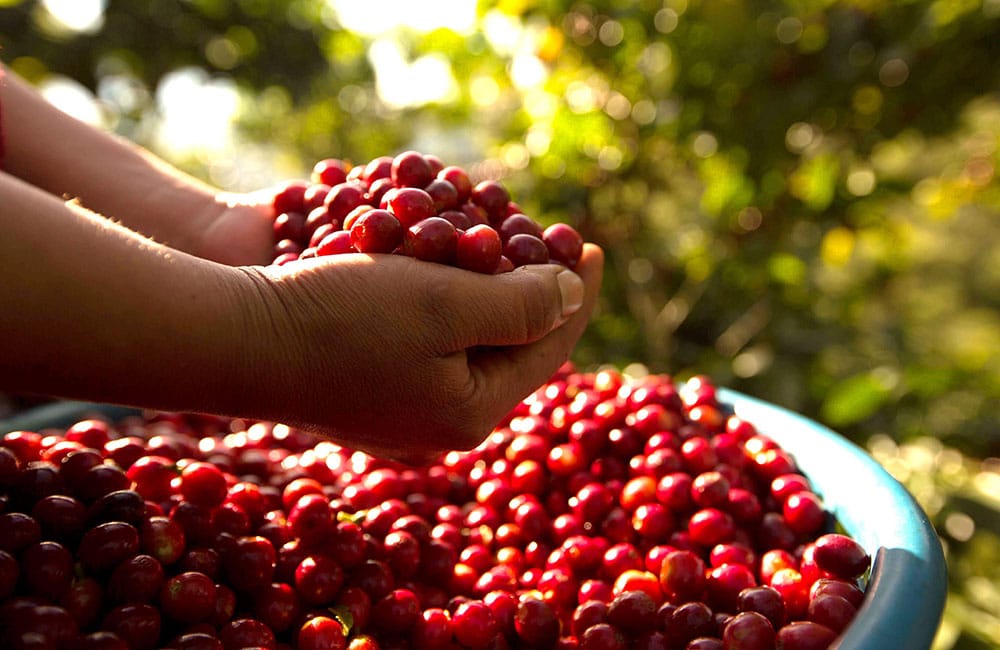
x=909 y=582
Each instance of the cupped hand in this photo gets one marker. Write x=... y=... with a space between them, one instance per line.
x=406 y=359
x=236 y=229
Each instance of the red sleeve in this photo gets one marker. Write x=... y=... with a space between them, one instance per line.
x=1 y=125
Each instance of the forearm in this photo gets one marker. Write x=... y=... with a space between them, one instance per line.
x=90 y=310
x=109 y=175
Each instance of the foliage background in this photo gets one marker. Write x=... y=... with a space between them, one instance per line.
x=799 y=198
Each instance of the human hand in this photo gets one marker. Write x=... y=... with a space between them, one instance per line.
x=407 y=359
x=235 y=229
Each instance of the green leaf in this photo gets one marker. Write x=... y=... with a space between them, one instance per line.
x=352 y=517
x=855 y=399
x=343 y=614
x=787 y=269
x=815 y=182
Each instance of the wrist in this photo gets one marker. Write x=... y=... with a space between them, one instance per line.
x=266 y=355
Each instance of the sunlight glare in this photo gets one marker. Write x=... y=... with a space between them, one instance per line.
x=77 y=15
x=378 y=17
x=400 y=83
x=197 y=112
x=73 y=98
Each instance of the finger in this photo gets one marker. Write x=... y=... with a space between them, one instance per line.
x=507 y=374
x=510 y=308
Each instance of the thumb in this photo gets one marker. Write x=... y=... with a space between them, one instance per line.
x=518 y=307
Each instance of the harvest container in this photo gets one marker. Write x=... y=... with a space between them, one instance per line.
x=908 y=582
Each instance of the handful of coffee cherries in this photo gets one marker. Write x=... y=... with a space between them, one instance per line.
x=413 y=204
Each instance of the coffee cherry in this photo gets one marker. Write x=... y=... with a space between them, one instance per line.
x=458 y=219
x=476 y=214
x=318 y=579
x=793 y=590
x=432 y=630
x=765 y=601
x=336 y=243
x=433 y=240
x=103 y=547
x=444 y=195
x=682 y=576
x=330 y=172
x=377 y=168
x=710 y=526
x=137 y=625
x=136 y=580
x=832 y=611
x=396 y=612
x=315 y=199
x=587 y=614
x=188 y=597
x=197 y=641
x=459 y=180
x=689 y=621
x=152 y=476
x=805 y=635
x=411 y=205
x=493 y=198
x=289 y=197
x=564 y=243
x=535 y=622
x=804 y=512
x=436 y=164
x=603 y=636
x=584 y=520
x=203 y=484
x=411 y=169
x=91 y=433
x=376 y=231
x=522 y=249
x=47 y=569
x=519 y=224
x=313 y=215
x=247 y=633
x=633 y=612
x=846 y=590
x=473 y=625
x=61 y=517
x=290 y=226
x=163 y=539
x=748 y=631
x=378 y=190
x=725 y=583
x=841 y=556
x=342 y=199
x=250 y=563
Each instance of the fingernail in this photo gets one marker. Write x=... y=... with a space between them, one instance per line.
x=571 y=291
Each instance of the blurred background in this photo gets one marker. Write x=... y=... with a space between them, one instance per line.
x=800 y=199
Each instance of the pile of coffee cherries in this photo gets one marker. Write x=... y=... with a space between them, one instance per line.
x=412 y=204
x=605 y=512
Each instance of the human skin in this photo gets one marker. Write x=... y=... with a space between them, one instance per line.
x=387 y=354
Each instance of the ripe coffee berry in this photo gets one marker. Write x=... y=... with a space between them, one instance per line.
x=203 y=484
x=602 y=512
x=376 y=231
x=433 y=240
x=411 y=169
x=188 y=597
x=325 y=216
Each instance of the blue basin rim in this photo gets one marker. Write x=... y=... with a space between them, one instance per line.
x=909 y=581
x=62 y=415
